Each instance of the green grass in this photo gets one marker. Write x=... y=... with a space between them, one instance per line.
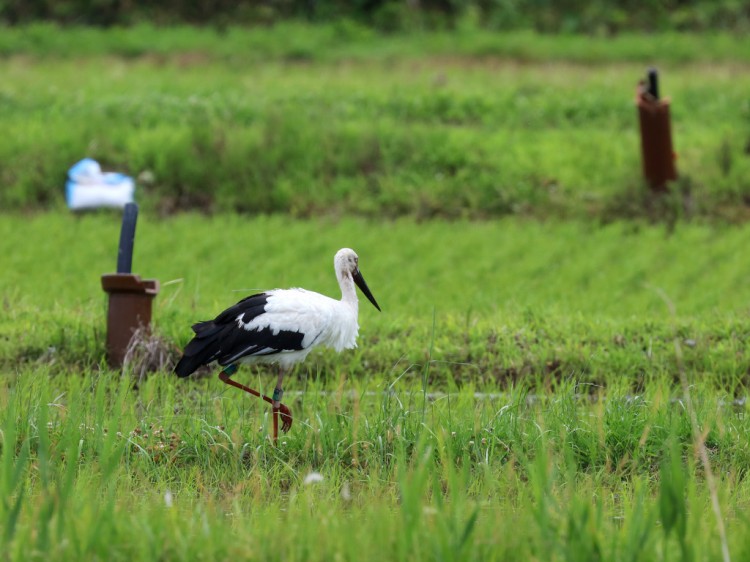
x=420 y=133
x=185 y=471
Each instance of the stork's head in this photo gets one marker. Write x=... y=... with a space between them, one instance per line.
x=346 y=263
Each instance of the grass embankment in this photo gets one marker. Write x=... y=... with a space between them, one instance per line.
x=347 y=41
x=417 y=126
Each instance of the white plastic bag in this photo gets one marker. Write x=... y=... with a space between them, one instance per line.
x=90 y=188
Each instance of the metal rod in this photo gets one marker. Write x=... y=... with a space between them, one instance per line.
x=127 y=238
x=653 y=82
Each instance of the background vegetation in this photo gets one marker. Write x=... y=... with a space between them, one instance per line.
x=517 y=124
x=394 y=15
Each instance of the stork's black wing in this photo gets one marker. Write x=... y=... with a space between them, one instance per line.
x=223 y=339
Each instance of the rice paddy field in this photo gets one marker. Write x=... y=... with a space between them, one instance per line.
x=560 y=369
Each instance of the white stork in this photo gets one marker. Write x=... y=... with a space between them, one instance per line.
x=282 y=327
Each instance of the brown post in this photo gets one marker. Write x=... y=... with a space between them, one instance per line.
x=656 y=135
x=130 y=297
x=130 y=300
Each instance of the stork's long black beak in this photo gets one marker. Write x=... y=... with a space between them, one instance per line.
x=360 y=281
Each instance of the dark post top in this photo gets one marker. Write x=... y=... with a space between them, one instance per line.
x=127 y=238
x=653 y=82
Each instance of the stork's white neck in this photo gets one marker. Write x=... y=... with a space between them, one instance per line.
x=348 y=292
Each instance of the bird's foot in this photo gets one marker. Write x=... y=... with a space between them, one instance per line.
x=286 y=416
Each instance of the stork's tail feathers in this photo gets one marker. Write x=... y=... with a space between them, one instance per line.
x=202 y=348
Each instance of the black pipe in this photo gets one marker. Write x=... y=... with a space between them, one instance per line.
x=653 y=82
x=127 y=238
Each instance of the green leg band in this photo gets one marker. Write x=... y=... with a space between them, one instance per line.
x=277 y=394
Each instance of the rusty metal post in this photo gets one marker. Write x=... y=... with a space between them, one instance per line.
x=130 y=297
x=657 y=154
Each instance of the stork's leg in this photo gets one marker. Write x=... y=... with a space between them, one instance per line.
x=286 y=414
x=228 y=371
x=278 y=392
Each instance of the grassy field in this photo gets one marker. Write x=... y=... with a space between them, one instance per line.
x=581 y=447
x=497 y=301
x=560 y=369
